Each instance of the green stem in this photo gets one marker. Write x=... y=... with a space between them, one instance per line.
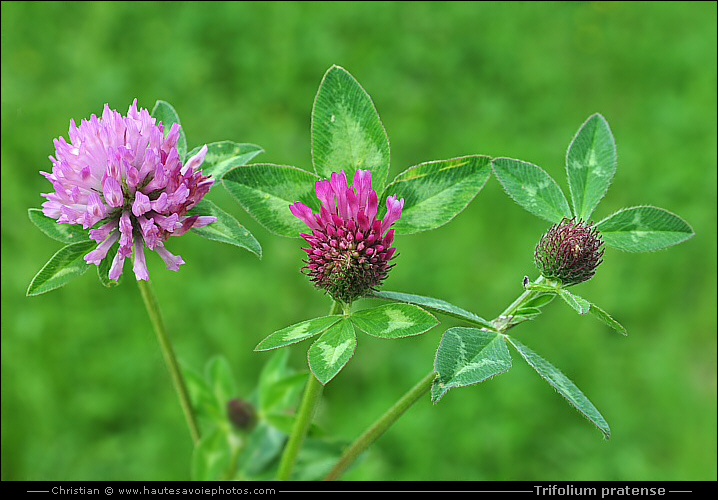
x=169 y=356
x=381 y=425
x=522 y=299
x=407 y=400
x=310 y=400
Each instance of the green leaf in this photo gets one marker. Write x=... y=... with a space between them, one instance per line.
x=532 y=188
x=219 y=376
x=223 y=155
x=330 y=352
x=436 y=191
x=273 y=370
x=643 y=228
x=65 y=265
x=210 y=457
x=540 y=300
x=66 y=233
x=262 y=447
x=347 y=133
x=297 y=332
x=468 y=356
x=580 y=304
x=606 y=318
x=282 y=395
x=393 y=321
x=563 y=385
x=226 y=228
x=265 y=191
x=528 y=312
x=317 y=457
x=279 y=385
x=435 y=305
x=202 y=398
x=590 y=165
x=165 y=113
x=103 y=270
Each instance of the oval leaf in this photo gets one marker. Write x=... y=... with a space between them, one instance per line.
x=211 y=457
x=563 y=385
x=296 y=333
x=165 y=113
x=284 y=393
x=468 y=356
x=436 y=191
x=226 y=228
x=435 y=305
x=643 y=229
x=532 y=188
x=261 y=449
x=221 y=381
x=66 y=233
x=393 y=321
x=265 y=191
x=204 y=404
x=332 y=350
x=590 y=164
x=346 y=130
x=65 y=265
x=223 y=155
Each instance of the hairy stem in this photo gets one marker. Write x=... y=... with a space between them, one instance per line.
x=168 y=354
x=412 y=396
x=310 y=400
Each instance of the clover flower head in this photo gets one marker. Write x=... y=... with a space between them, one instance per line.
x=349 y=248
x=570 y=251
x=122 y=179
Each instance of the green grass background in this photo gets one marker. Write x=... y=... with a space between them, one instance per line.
x=85 y=393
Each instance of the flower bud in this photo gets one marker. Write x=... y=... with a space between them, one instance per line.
x=241 y=414
x=569 y=252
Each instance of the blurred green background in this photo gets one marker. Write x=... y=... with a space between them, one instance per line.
x=85 y=393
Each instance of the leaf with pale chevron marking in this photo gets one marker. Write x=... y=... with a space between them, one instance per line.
x=346 y=130
x=392 y=321
x=435 y=305
x=330 y=352
x=590 y=165
x=436 y=191
x=532 y=188
x=297 y=332
x=468 y=356
x=643 y=229
x=265 y=191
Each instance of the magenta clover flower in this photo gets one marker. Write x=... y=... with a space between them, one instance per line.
x=349 y=248
x=122 y=178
